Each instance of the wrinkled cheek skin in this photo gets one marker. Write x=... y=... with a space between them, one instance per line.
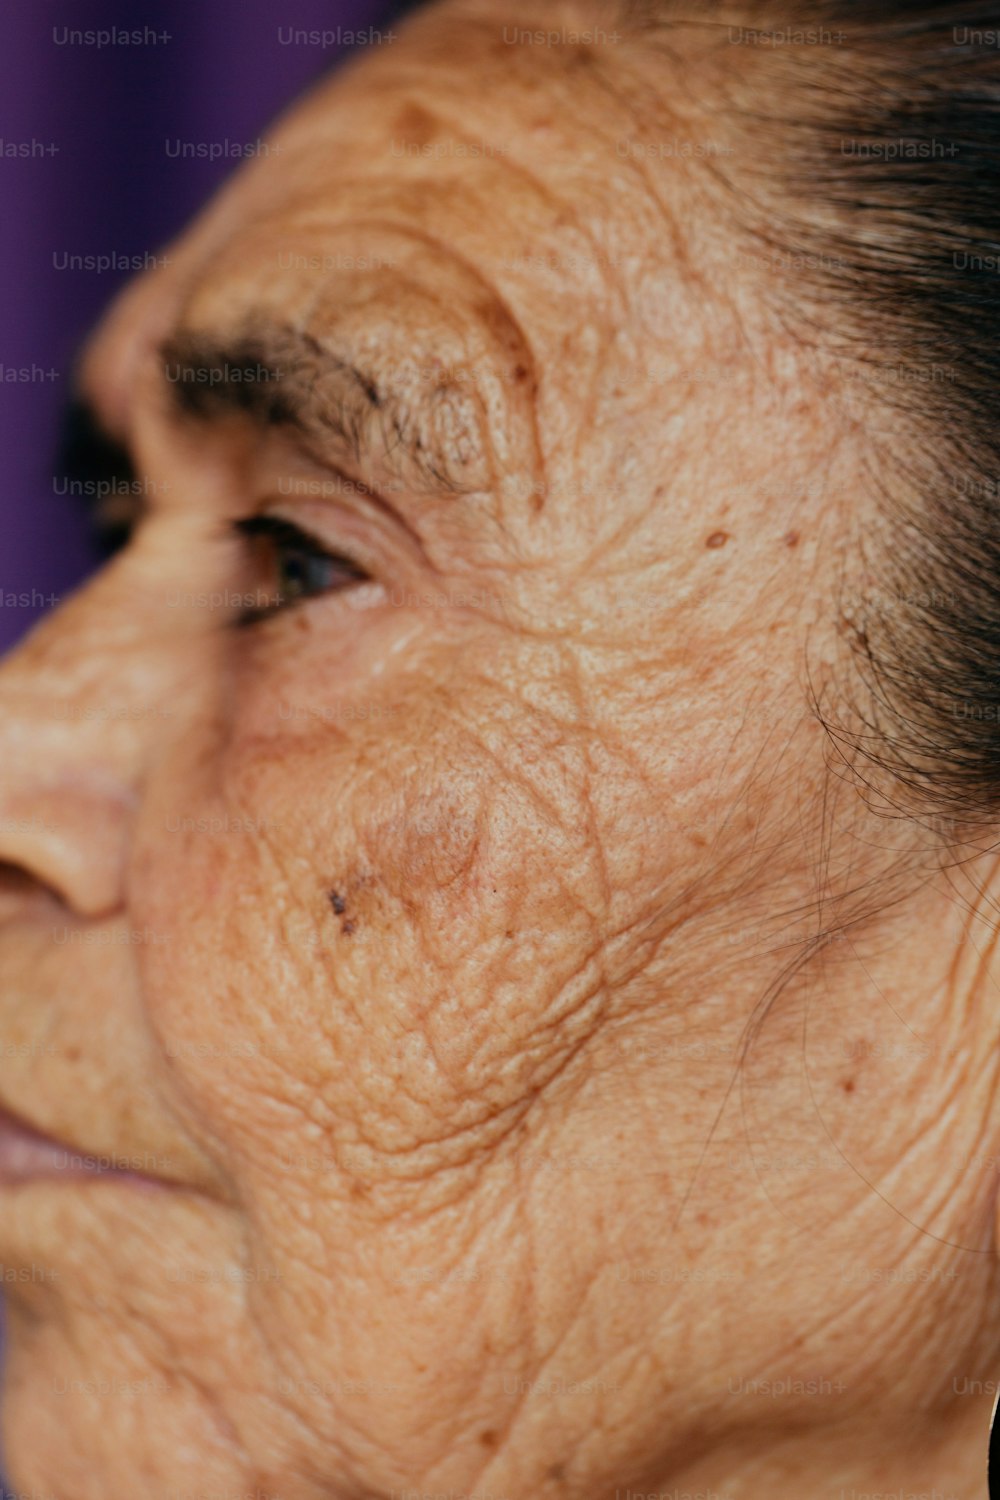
x=362 y=1004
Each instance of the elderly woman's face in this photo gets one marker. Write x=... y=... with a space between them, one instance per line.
x=407 y=874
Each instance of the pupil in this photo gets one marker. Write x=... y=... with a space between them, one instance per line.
x=295 y=573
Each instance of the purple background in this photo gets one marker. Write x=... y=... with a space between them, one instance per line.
x=109 y=186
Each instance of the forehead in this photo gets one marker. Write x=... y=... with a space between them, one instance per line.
x=460 y=197
x=458 y=210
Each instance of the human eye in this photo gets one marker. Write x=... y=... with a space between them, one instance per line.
x=290 y=566
x=98 y=470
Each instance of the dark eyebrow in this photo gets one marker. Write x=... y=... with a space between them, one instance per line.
x=278 y=376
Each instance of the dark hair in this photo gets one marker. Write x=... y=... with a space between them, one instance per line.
x=878 y=126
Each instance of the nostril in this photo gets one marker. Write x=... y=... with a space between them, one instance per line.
x=12 y=875
x=67 y=831
x=20 y=889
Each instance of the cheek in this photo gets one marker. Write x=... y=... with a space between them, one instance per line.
x=384 y=933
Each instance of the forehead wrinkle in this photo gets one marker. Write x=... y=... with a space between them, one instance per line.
x=565 y=83
x=563 y=207
x=626 y=97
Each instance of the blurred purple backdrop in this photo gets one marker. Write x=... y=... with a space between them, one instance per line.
x=84 y=170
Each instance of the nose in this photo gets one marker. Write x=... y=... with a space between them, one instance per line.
x=80 y=700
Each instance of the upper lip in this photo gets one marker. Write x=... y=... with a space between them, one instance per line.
x=29 y=1132
x=78 y=1159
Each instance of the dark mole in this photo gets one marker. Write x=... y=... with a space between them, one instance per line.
x=488 y=1438
x=337 y=902
x=520 y=372
x=791 y=539
x=717 y=539
x=848 y=1085
x=347 y=927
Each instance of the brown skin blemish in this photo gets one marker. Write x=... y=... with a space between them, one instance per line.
x=414 y=126
x=848 y=1085
x=717 y=539
x=339 y=905
x=582 y=56
x=791 y=539
x=488 y=1438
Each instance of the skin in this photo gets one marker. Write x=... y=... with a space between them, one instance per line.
x=432 y=950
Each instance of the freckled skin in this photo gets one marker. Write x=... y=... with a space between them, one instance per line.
x=457 y=900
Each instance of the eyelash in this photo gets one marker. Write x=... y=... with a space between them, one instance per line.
x=279 y=536
x=112 y=534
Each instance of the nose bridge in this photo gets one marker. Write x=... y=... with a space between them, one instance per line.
x=82 y=701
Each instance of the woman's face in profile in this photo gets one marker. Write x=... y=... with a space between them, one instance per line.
x=409 y=831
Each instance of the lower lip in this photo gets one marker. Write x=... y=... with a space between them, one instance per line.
x=27 y=1156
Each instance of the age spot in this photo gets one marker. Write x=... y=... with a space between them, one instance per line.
x=338 y=904
x=791 y=539
x=414 y=126
x=717 y=539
